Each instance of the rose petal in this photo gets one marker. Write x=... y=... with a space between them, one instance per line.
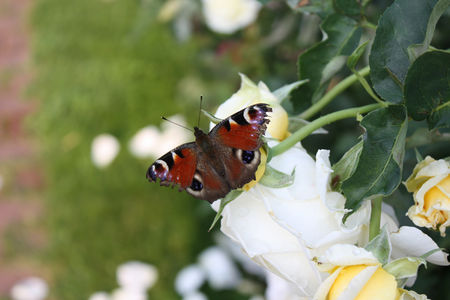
x=410 y=241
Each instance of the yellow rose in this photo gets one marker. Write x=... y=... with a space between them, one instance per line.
x=430 y=183
x=365 y=282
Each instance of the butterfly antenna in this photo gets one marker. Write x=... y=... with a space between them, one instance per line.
x=182 y=126
x=199 y=111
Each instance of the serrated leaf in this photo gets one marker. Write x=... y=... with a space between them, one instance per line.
x=320 y=7
x=276 y=179
x=223 y=202
x=404 y=267
x=356 y=55
x=380 y=164
x=427 y=89
x=348 y=7
x=380 y=246
x=345 y=167
x=321 y=62
x=283 y=92
x=405 y=23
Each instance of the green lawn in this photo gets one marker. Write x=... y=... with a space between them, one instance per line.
x=98 y=69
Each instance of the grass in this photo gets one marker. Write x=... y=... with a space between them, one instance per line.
x=95 y=73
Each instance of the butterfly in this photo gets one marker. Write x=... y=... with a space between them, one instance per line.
x=224 y=159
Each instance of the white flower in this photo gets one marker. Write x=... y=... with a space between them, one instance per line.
x=100 y=296
x=189 y=279
x=136 y=276
x=129 y=294
x=32 y=288
x=219 y=268
x=230 y=15
x=195 y=296
x=152 y=142
x=280 y=289
x=104 y=149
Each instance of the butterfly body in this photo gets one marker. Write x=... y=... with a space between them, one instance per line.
x=224 y=159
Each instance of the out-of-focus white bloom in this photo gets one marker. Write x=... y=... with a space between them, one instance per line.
x=250 y=93
x=1 y=182
x=104 y=149
x=230 y=15
x=152 y=142
x=129 y=294
x=136 y=276
x=195 y=296
x=100 y=296
x=257 y=297
x=32 y=288
x=189 y=279
x=221 y=272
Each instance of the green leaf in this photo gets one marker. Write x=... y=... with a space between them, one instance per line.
x=427 y=89
x=356 y=55
x=345 y=167
x=379 y=169
x=223 y=202
x=322 y=61
x=283 y=93
x=320 y=7
x=405 y=23
x=211 y=117
x=404 y=267
x=276 y=179
x=380 y=246
x=348 y=7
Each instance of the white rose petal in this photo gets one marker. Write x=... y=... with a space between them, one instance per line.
x=100 y=296
x=221 y=272
x=32 y=288
x=136 y=275
x=346 y=255
x=189 y=279
x=128 y=294
x=280 y=289
x=104 y=149
x=407 y=236
x=231 y=15
x=246 y=221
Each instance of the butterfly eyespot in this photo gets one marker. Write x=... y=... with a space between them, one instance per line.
x=247 y=156
x=196 y=185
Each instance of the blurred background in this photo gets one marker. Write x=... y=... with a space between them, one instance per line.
x=83 y=86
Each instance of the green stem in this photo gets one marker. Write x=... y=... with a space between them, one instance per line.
x=375 y=216
x=320 y=122
x=336 y=90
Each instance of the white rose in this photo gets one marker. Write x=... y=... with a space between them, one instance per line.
x=220 y=270
x=189 y=279
x=136 y=276
x=230 y=15
x=104 y=149
x=152 y=142
x=128 y=294
x=100 y=296
x=32 y=288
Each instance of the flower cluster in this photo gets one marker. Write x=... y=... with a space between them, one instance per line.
x=298 y=233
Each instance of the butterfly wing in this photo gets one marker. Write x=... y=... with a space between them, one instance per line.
x=238 y=139
x=188 y=168
x=176 y=167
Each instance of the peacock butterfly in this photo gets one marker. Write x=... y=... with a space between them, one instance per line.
x=224 y=159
